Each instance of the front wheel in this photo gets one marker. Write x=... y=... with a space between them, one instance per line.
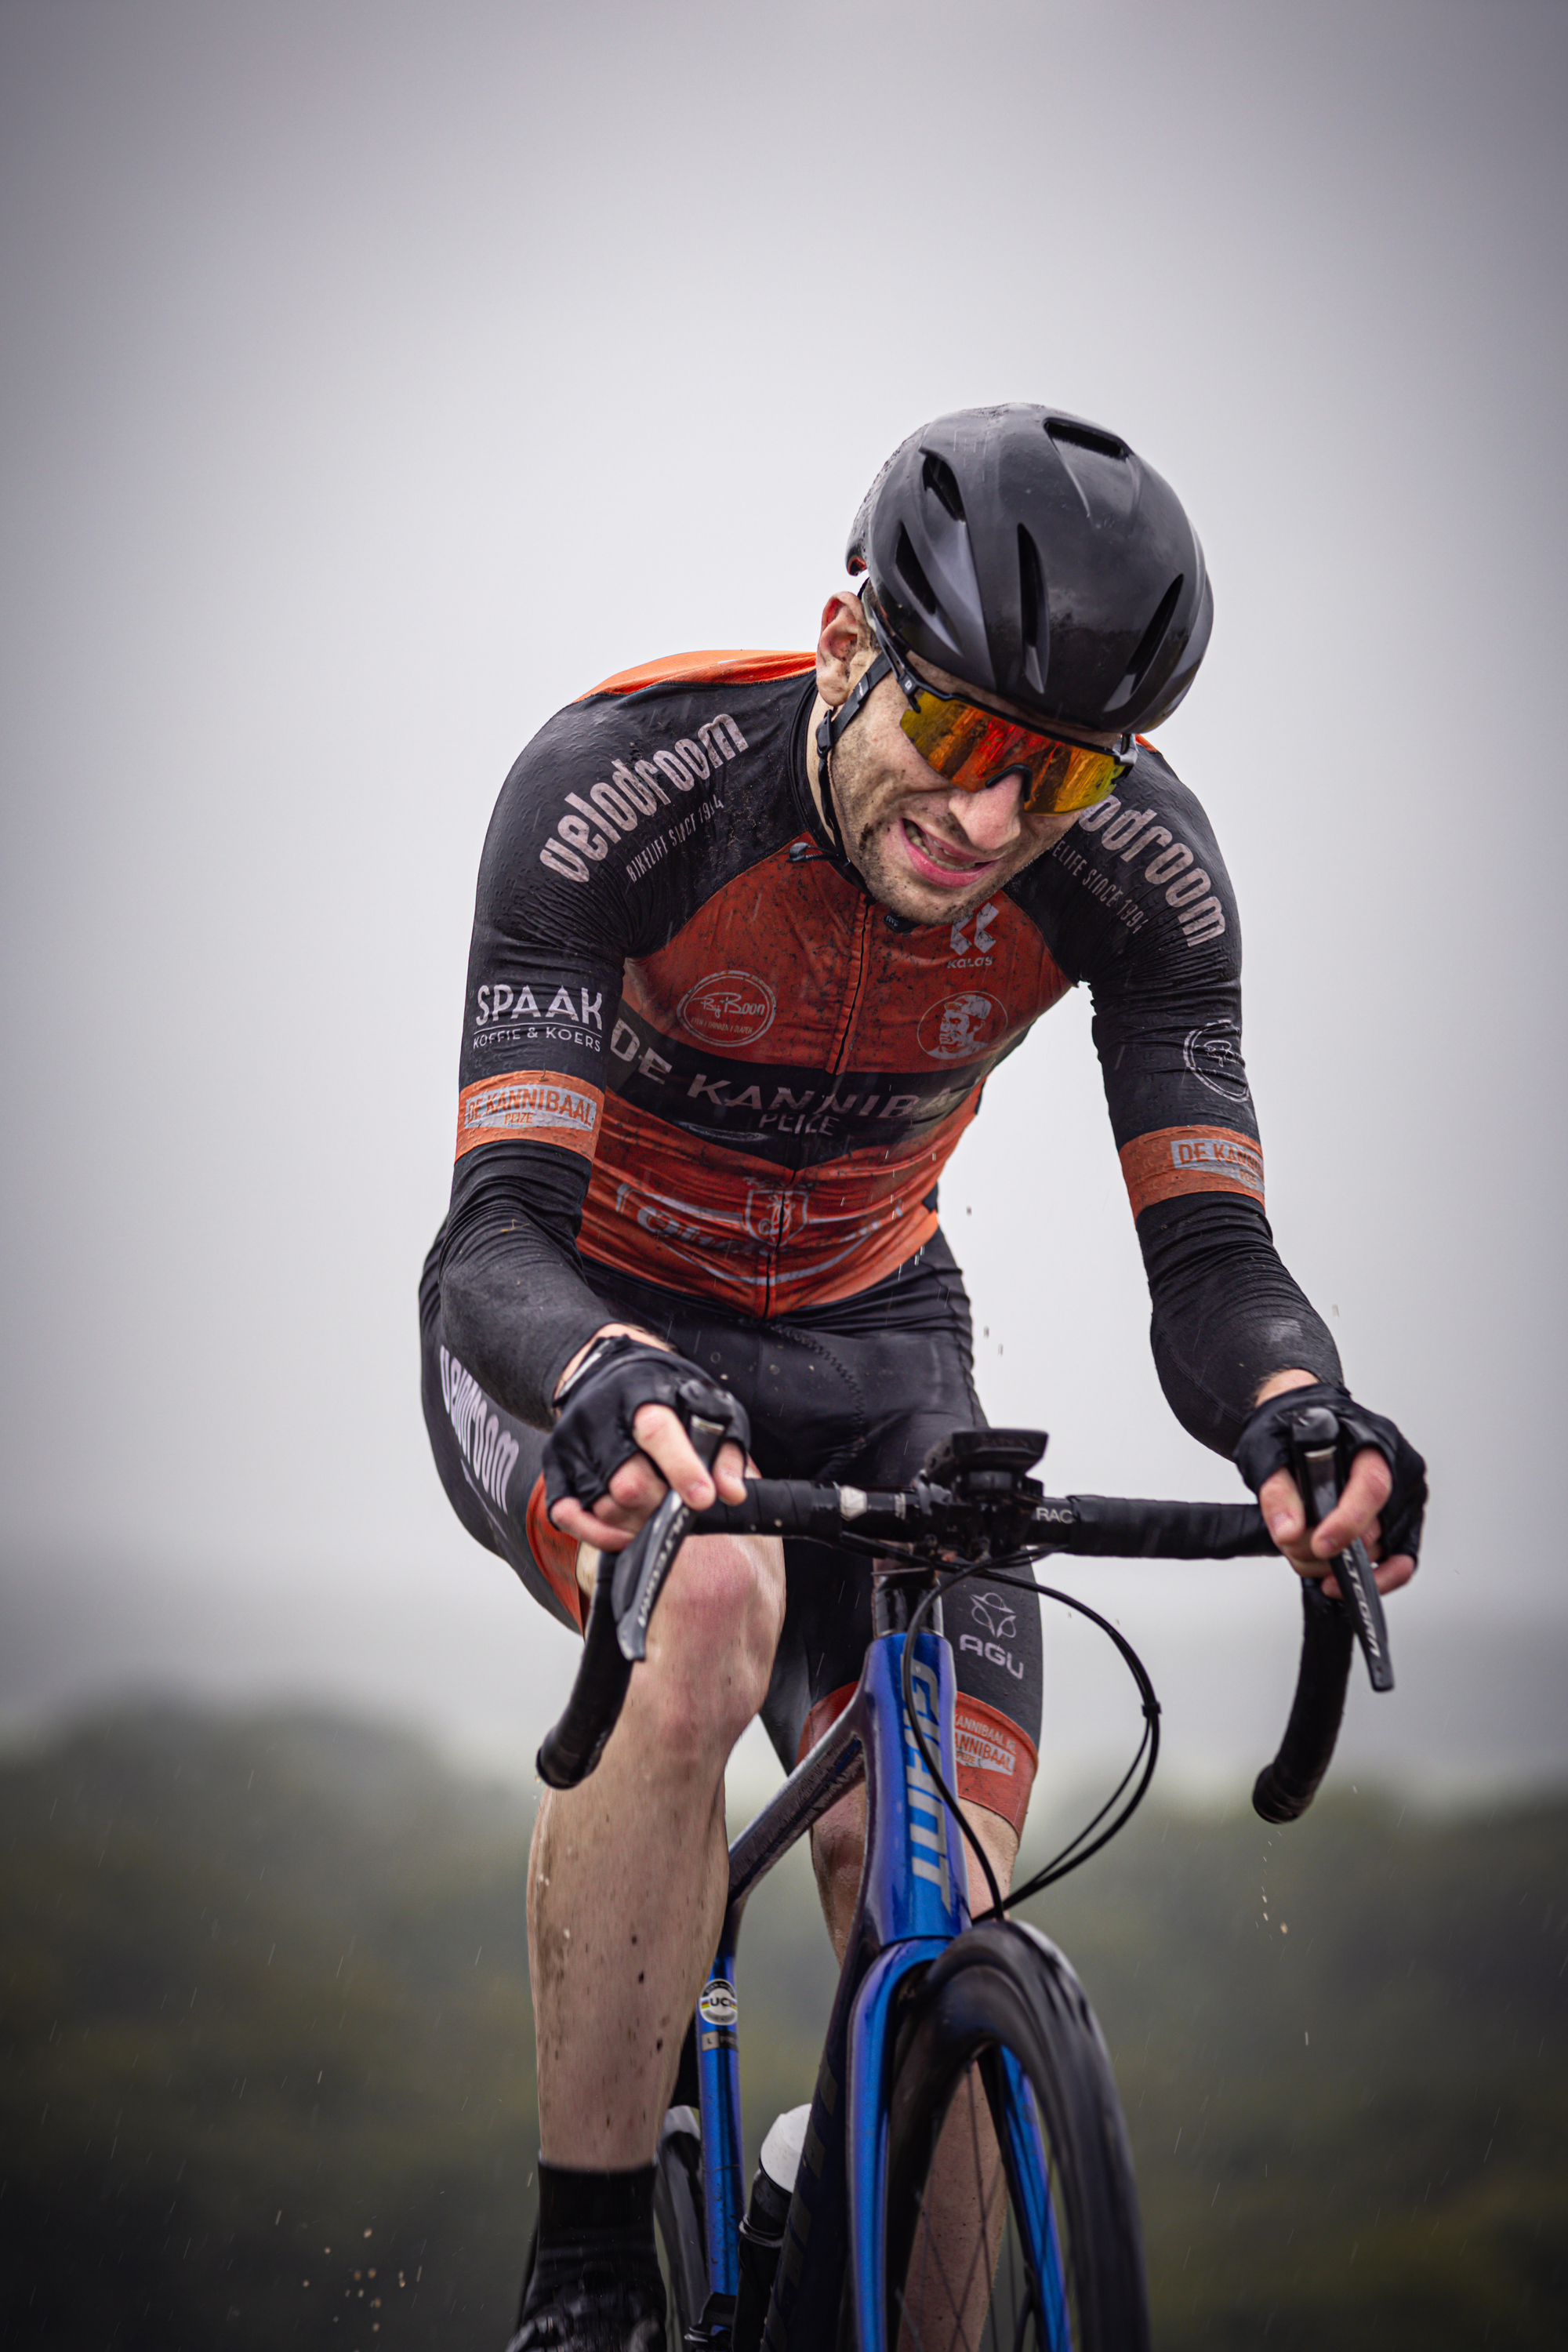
x=1012 y=2219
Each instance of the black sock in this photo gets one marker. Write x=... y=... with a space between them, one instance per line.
x=595 y=2229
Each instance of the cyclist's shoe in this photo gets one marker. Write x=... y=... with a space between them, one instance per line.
x=600 y=2312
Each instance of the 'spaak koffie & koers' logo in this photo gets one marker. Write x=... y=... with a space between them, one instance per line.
x=962 y=1028
x=727 y=1008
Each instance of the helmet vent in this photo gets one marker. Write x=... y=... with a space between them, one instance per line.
x=1149 y=643
x=1086 y=436
x=911 y=572
x=1031 y=607
x=941 y=481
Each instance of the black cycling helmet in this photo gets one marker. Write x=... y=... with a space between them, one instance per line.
x=1036 y=558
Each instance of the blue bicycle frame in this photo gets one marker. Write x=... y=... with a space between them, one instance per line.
x=913 y=1900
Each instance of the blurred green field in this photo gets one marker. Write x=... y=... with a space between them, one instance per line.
x=266 y=2070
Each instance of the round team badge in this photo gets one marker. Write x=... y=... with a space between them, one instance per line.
x=962 y=1028
x=727 y=1008
x=1213 y=1054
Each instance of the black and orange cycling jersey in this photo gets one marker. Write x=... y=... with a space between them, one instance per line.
x=707 y=1084
x=690 y=1028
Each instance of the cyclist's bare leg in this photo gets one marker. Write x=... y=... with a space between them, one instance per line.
x=838 y=1848
x=963 y=2209
x=629 y=1874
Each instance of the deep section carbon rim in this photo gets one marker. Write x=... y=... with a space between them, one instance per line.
x=1012 y=2220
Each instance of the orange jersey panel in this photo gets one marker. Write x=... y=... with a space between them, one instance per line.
x=729 y=666
x=788 y=1078
x=1177 y=1160
x=531 y=1105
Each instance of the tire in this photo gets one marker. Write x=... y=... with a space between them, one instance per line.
x=1003 y=1997
x=678 y=2227
x=679 y=2223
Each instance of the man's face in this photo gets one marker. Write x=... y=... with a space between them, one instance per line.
x=924 y=848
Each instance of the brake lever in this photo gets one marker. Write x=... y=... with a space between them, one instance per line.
x=640 y=1571
x=1315 y=1435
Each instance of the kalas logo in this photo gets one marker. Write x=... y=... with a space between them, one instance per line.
x=727 y=1008
x=961 y=1028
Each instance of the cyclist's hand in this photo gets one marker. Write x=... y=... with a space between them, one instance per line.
x=667 y=1458
x=620 y=1443
x=1311 y=1550
x=1386 y=1480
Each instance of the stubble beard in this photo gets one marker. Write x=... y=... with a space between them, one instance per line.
x=873 y=856
x=868 y=833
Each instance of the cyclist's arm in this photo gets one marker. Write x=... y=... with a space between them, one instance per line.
x=1227 y=1316
x=1229 y=1325
x=514 y=1301
x=518 y=1311
x=545 y=963
x=556 y=919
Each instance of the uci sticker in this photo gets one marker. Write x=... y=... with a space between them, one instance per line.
x=717 y=2004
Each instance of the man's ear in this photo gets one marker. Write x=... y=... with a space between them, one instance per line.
x=846 y=634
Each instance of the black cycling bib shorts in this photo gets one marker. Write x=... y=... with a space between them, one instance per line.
x=856 y=1392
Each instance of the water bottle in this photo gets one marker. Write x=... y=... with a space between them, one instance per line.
x=763 y=2231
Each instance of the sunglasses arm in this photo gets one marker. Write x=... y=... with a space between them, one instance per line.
x=832 y=723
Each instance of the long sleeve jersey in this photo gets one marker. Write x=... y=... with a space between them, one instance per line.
x=695 y=1051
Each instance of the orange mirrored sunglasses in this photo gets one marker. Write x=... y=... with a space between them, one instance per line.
x=970 y=746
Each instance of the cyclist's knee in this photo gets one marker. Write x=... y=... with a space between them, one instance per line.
x=712 y=1641
x=837 y=1855
x=1000 y=1840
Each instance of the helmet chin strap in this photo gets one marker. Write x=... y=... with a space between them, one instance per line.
x=830 y=727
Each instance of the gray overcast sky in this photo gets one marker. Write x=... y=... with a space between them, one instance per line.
x=377 y=378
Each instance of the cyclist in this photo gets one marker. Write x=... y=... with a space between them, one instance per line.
x=751 y=932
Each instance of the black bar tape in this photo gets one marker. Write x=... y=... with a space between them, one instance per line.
x=572 y=1747
x=1284 y=1789
x=1115 y=1527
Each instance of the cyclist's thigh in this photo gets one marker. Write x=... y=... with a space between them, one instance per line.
x=488 y=1463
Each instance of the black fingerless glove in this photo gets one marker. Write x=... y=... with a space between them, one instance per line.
x=1265 y=1447
x=593 y=1434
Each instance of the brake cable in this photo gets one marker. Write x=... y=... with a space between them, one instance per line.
x=1147 y=1755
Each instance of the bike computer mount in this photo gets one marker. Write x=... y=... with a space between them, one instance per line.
x=983 y=1464
x=978 y=1504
